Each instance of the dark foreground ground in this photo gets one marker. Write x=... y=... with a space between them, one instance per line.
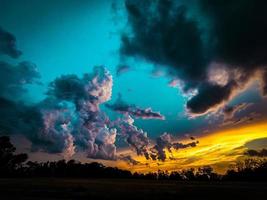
x=49 y=188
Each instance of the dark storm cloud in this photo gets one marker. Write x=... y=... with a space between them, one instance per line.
x=220 y=89
x=252 y=152
x=238 y=31
x=163 y=34
x=8 y=44
x=14 y=78
x=122 y=107
x=214 y=46
x=209 y=96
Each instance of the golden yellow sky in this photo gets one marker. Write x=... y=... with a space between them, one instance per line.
x=219 y=150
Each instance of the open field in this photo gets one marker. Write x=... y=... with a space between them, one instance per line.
x=50 y=188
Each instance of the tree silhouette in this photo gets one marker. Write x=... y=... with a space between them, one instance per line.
x=12 y=165
x=9 y=162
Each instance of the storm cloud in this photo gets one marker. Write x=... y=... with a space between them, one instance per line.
x=213 y=46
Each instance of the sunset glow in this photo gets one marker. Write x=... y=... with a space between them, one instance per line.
x=219 y=150
x=139 y=85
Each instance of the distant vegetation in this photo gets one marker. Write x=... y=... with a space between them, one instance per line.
x=15 y=165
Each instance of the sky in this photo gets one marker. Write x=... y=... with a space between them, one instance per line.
x=143 y=85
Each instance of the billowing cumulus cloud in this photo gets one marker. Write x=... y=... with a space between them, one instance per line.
x=136 y=138
x=215 y=47
x=56 y=130
x=8 y=44
x=124 y=108
x=46 y=130
x=69 y=149
x=95 y=88
x=89 y=123
x=69 y=119
x=106 y=143
x=139 y=141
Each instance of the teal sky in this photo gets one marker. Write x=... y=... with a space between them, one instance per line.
x=71 y=37
x=221 y=76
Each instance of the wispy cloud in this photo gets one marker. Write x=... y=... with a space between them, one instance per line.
x=128 y=109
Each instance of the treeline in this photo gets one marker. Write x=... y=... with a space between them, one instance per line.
x=15 y=165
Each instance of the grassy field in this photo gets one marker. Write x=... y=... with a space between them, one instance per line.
x=49 y=188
